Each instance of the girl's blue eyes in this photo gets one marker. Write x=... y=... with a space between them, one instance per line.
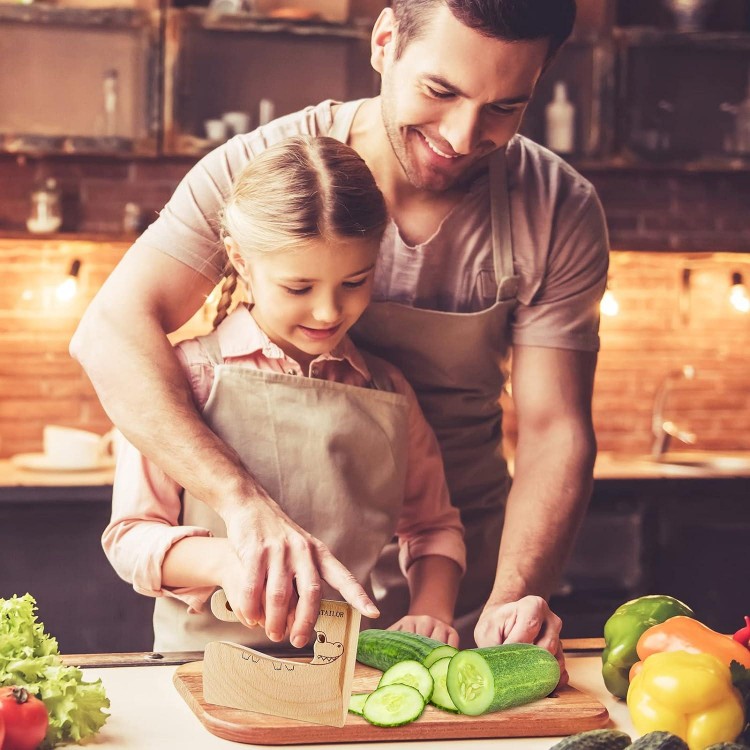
x=346 y=285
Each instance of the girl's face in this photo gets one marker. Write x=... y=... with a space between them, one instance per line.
x=306 y=299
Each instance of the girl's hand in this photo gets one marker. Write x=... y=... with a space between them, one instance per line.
x=276 y=555
x=429 y=626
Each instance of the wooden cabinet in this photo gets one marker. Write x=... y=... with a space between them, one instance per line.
x=229 y=63
x=682 y=537
x=51 y=549
x=85 y=83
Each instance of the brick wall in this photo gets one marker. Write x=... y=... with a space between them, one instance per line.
x=666 y=213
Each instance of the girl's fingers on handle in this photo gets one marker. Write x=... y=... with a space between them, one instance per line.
x=341 y=578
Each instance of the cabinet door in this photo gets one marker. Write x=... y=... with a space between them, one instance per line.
x=84 y=83
x=704 y=537
x=52 y=550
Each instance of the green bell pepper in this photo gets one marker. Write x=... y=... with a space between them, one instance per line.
x=624 y=628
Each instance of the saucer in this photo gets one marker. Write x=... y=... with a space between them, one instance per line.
x=42 y=462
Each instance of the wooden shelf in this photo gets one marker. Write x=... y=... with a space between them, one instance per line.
x=51 y=15
x=254 y=23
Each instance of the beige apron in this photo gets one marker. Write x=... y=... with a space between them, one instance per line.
x=453 y=362
x=332 y=455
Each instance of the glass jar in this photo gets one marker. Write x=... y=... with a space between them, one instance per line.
x=46 y=210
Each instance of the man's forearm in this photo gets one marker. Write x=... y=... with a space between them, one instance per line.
x=549 y=496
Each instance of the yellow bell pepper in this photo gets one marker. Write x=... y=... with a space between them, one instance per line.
x=690 y=695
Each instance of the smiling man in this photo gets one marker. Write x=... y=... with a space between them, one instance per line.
x=495 y=245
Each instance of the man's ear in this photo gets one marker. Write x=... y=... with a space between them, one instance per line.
x=383 y=33
x=235 y=257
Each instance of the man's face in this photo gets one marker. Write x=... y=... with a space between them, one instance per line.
x=453 y=97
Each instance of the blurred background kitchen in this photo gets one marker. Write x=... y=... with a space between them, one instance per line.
x=105 y=104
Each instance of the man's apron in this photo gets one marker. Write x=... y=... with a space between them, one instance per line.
x=332 y=455
x=453 y=362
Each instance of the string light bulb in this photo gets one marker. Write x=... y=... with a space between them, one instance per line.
x=738 y=296
x=68 y=289
x=609 y=305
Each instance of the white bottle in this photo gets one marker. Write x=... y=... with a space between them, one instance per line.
x=560 y=120
x=742 y=124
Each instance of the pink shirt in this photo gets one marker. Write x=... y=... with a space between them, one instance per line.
x=146 y=503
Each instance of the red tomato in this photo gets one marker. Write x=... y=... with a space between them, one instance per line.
x=2 y=730
x=25 y=718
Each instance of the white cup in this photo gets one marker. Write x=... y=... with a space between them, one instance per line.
x=71 y=448
x=216 y=130
x=237 y=122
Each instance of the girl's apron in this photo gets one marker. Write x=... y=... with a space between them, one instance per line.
x=332 y=455
x=454 y=363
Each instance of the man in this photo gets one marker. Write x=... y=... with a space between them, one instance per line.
x=495 y=242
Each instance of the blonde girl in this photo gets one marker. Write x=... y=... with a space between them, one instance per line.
x=341 y=454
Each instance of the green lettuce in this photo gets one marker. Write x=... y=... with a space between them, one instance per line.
x=30 y=658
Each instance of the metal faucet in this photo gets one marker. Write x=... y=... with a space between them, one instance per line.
x=665 y=430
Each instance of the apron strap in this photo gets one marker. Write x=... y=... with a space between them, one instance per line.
x=379 y=379
x=342 y=122
x=210 y=344
x=502 y=238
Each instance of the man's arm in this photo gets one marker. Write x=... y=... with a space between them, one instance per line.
x=552 y=390
x=121 y=343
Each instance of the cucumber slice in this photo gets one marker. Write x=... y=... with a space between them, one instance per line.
x=481 y=680
x=357 y=702
x=393 y=705
x=440 y=696
x=441 y=652
x=410 y=673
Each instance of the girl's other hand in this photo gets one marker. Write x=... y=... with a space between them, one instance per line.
x=276 y=555
x=428 y=626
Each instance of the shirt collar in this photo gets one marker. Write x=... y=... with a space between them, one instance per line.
x=240 y=336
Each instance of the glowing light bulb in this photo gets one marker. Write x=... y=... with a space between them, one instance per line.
x=67 y=290
x=738 y=296
x=609 y=305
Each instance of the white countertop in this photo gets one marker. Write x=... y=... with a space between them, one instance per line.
x=147 y=713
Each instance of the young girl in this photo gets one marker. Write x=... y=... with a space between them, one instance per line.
x=335 y=436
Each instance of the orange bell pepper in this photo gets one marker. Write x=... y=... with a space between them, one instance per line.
x=686 y=634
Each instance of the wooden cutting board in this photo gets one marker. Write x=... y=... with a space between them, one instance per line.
x=567 y=711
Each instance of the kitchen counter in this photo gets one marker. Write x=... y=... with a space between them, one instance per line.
x=608 y=466
x=147 y=713
x=22 y=485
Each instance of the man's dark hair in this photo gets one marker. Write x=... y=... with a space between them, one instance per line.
x=509 y=20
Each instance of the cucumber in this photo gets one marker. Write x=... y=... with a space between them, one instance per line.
x=393 y=705
x=411 y=673
x=595 y=739
x=481 y=680
x=440 y=696
x=441 y=652
x=384 y=648
x=357 y=702
x=659 y=741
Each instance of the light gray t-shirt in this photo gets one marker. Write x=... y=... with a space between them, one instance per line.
x=560 y=245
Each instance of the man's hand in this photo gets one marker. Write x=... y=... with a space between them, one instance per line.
x=277 y=556
x=428 y=626
x=528 y=620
